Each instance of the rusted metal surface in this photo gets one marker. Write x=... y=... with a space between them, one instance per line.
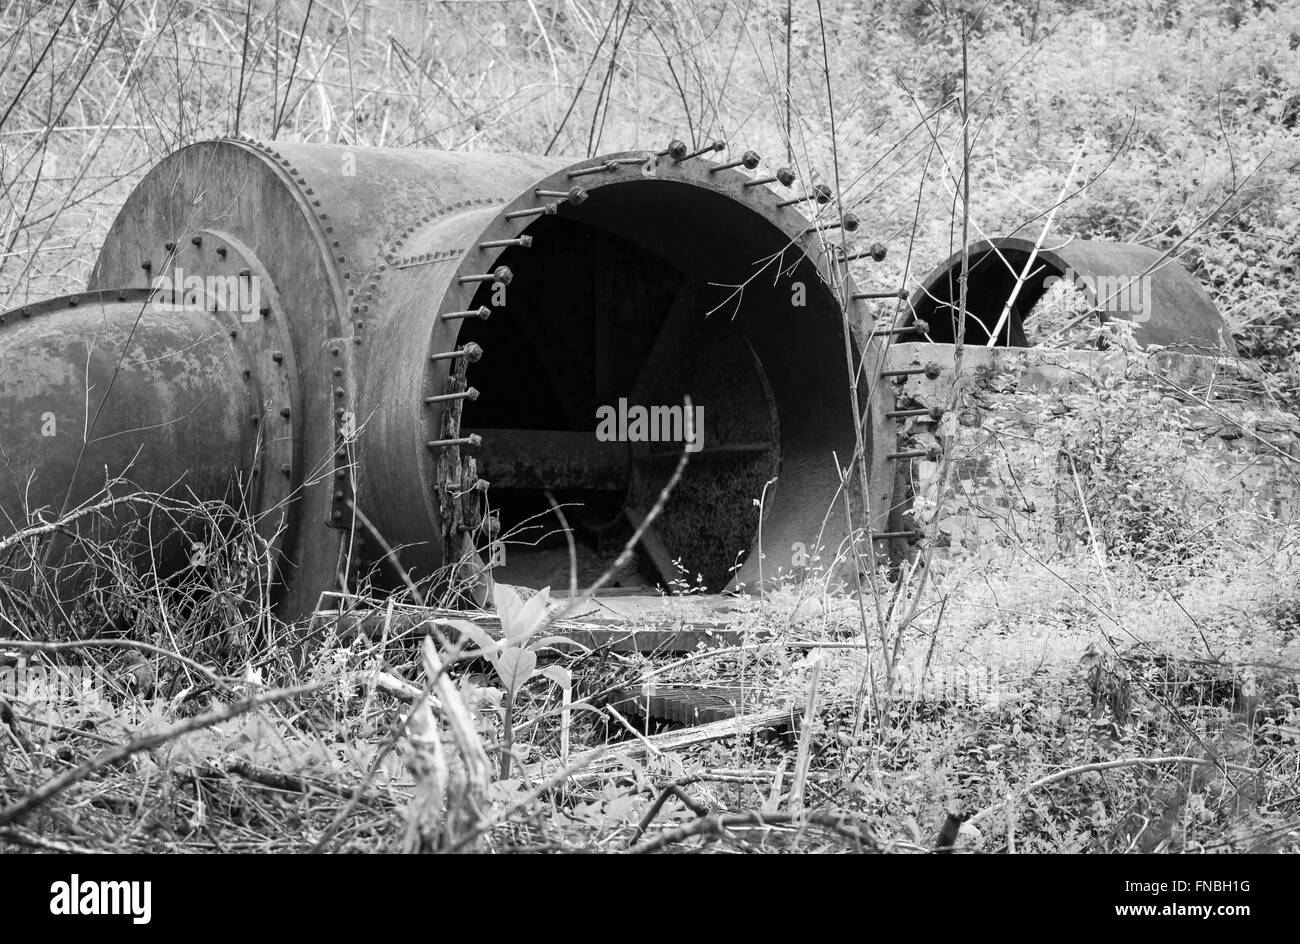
x=122 y=384
x=555 y=459
x=1126 y=281
x=640 y=277
x=323 y=223
x=632 y=294
x=442 y=344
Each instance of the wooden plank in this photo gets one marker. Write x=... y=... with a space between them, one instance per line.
x=687 y=704
x=594 y=634
x=602 y=760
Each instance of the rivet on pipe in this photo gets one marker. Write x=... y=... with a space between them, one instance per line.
x=749 y=160
x=196 y=240
x=933 y=412
x=707 y=149
x=916 y=327
x=523 y=242
x=574 y=195
x=785 y=177
x=470 y=394
x=548 y=209
x=473 y=439
x=481 y=312
x=875 y=251
x=608 y=167
x=500 y=274
x=472 y=353
x=860 y=296
x=821 y=193
x=676 y=150
x=848 y=222
x=286 y=412
x=931 y=371
x=931 y=454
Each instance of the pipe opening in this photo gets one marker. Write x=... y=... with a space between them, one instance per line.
x=621 y=308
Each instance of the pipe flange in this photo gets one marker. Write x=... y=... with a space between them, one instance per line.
x=213 y=271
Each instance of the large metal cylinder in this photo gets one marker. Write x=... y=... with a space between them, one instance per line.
x=340 y=373
x=396 y=359
x=1123 y=281
x=103 y=386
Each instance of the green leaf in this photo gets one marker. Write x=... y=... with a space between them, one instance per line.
x=529 y=619
x=514 y=667
x=509 y=607
x=477 y=634
x=559 y=675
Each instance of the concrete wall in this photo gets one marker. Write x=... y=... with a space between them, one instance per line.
x=1014 y=416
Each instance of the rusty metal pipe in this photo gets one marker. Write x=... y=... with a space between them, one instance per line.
x=98 y=387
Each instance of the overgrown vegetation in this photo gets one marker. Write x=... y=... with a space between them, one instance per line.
x=1132 y=687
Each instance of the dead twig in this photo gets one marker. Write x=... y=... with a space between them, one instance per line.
x=843 y=824
x=148 y=742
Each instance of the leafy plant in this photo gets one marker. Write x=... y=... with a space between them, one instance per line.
x=514 y=656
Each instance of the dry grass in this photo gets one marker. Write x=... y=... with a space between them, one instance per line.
x=367 y=743
x=1064 y=709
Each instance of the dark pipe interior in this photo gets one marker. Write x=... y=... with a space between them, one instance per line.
x=989 y=285
x=633 y=295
